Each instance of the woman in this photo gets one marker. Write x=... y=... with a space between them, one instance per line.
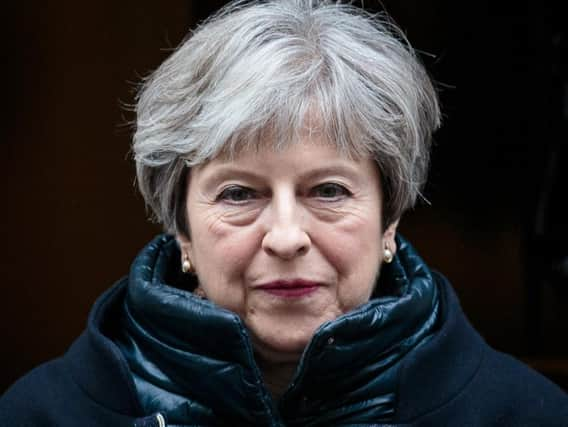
x=279 y=146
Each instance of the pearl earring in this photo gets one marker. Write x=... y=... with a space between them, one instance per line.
x=186 y=266
x=388 y=256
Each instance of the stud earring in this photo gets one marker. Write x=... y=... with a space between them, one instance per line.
x=186 y=266
x=388 y=256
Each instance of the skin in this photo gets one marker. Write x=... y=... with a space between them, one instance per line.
x=305 y=212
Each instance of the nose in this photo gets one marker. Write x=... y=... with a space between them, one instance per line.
x=285 y=235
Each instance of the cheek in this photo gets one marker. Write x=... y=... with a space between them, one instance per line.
x=222 y=257
x=228 y=253
x=354 y=253
x=352 y=246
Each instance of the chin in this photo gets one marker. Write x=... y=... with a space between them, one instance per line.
x=283 y=345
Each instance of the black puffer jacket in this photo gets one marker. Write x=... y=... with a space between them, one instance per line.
x=154 y=352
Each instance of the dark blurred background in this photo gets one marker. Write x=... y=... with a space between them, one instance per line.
x=72 y=220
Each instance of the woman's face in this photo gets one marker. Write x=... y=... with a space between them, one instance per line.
x=287 y=240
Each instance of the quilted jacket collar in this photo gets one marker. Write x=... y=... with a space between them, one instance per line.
x=194 y=360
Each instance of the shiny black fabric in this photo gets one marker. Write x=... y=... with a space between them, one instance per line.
x=194 y=361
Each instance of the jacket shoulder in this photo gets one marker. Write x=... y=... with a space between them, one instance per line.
x=456 y=378
x=524 y=397
x=31 y=399
x=88 y=386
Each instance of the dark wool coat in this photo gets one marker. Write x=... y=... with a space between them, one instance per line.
x=449 y=377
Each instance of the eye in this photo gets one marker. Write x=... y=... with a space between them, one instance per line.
x=330 y=190
x=237 y=194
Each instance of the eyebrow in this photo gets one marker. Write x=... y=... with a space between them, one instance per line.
x=339 y=169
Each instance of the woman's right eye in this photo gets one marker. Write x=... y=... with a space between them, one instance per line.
x=237 y=194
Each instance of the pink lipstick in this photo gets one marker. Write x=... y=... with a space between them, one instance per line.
x=290 y=288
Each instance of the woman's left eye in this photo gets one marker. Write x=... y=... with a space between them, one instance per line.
x=330 y=190
x=237 y=194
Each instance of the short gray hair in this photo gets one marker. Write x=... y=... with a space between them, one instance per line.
x=280 y=66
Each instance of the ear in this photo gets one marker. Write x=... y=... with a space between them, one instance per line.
x=185 y=246
x=388 y=236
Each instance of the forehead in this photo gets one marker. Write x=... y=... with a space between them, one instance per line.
x=306 y=158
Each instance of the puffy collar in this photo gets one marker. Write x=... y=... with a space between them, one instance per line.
x=194 y=361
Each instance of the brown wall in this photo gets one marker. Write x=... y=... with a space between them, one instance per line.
x=72 y=219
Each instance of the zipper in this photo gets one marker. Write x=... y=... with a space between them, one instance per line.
x=156 y=420
x=161 y=420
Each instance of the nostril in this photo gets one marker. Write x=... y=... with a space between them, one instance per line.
x=285 y=250
x=286 y=242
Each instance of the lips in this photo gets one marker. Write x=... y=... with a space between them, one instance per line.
x=290 y=288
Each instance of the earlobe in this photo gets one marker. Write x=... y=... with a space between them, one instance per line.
x=183 y=241
x=389 y=237
x=185 y=248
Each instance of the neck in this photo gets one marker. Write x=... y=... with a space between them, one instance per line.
x=277 y=366
x=277 y=376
